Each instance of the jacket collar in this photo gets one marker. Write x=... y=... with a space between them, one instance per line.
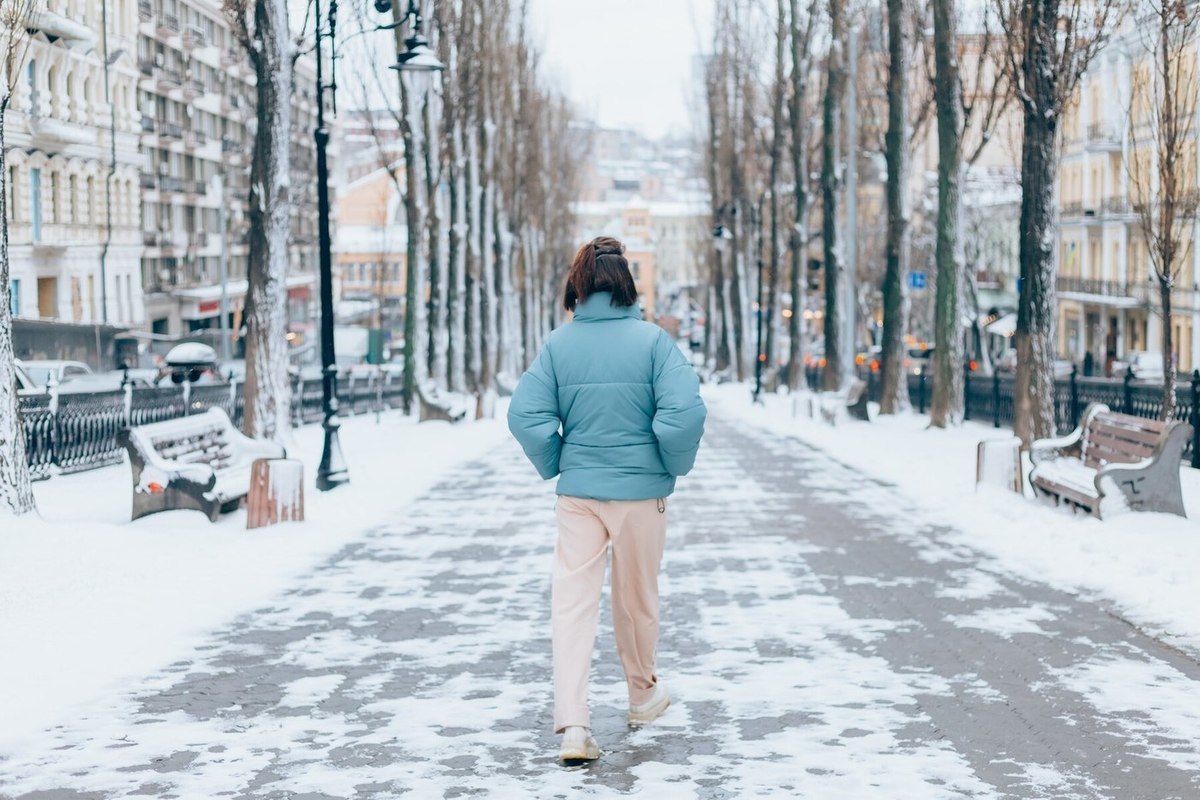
x=599 y=306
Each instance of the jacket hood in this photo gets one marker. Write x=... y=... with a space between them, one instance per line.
x=599 y=306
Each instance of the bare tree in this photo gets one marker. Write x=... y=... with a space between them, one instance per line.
x=16 y=493
x=261 y=27
x=801 y=31
x=948 y=97
x=1162 y=171
x=894 y=397
x=778 y=140
x=831 y=184
x=1048 y=45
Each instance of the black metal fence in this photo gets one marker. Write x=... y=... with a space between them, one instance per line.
x=989 y=399
x=73 y=432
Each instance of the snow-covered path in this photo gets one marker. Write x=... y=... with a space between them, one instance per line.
x=821 y=641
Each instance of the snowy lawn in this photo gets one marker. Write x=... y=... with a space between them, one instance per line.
x=1144 y=563
x=89 y=599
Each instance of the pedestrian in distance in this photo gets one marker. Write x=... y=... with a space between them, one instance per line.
x=612 y=408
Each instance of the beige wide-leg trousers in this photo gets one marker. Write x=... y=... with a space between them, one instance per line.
x=637 y=530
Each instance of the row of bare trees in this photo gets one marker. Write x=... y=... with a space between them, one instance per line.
x=488 y=174
x=931 y=68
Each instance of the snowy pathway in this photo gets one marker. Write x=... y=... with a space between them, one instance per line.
x=821 y=642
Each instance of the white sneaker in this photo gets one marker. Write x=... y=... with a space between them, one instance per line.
x=652 y=709
x=578 y=745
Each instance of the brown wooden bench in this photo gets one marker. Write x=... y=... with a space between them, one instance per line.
x=200 y=462
x=1113 y=455
x=436 y=406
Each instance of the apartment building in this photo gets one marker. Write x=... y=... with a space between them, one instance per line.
x=73 y=195
x=370 y=254
x=1108 y=296
x=195 y=95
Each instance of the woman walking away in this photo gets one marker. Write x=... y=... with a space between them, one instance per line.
x=613 y=408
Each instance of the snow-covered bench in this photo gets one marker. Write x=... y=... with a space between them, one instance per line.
x=852 y=397
x=200 y=462
x=1115 y=456
x=436 y=406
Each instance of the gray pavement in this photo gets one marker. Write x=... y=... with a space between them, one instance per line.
x=820 y=639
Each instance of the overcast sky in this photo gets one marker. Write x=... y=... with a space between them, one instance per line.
x=624 y=63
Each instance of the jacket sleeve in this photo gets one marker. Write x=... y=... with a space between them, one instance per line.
x=679 y=412
x=533 y=415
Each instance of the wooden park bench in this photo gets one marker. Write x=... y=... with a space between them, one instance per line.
x=200 y=462
x=435 y=406
x=1115 y=455
x=853 y=397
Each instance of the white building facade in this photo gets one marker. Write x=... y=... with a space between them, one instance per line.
x=73 y=196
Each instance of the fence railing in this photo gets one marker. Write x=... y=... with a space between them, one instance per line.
x=72 y=432
x=989 y=399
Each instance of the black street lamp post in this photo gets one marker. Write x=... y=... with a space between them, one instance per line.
x=417 y=56
x=759 y=355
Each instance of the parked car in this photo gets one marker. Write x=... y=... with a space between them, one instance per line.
x=113 y=381
x=51 y=371
x=1006 y=364
x=918 y=361
x=1146 y=366
x=25 y=384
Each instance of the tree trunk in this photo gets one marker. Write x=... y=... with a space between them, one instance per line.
x=831 y=129
x=947 y=405
x=457 y=291
x=16 y=492
x=798 y=241
x=894 y=397
x=1033 y=393
x=1170 y=371
x=435 y=316
x=414 y=274
x=778 y=135
x=268 y=388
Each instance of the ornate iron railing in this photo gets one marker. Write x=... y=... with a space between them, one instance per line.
x=72 y=432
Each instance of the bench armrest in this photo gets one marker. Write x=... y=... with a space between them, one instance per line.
x=1151 y=484
x=1070 y=445
x=254 y=448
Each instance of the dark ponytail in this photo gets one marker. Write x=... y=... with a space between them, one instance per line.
x=600 y=266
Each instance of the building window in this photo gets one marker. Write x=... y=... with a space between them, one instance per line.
x=35 y=202
x=14 y=299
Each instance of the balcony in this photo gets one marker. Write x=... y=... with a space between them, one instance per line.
x=232 y=104
x=148 y=181
x=194 y=139
x=145 y=10
x=150 y=238
x=56 y=26
x=168 y=25
x=198 y=239
x=1071 y=210
x=1116 y=292
x=169 y=79
x=148 y=125
x=168 y=183
x=231 y=56
x=146 y=67
x=1116 y=207
x=172 y=130
x=193 y=88
x=1103 y=137
x=193 y=37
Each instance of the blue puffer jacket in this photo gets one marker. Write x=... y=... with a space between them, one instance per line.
x=611 y=405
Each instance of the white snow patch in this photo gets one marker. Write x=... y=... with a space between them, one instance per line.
x=1006 y=621
x=1156 y=705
